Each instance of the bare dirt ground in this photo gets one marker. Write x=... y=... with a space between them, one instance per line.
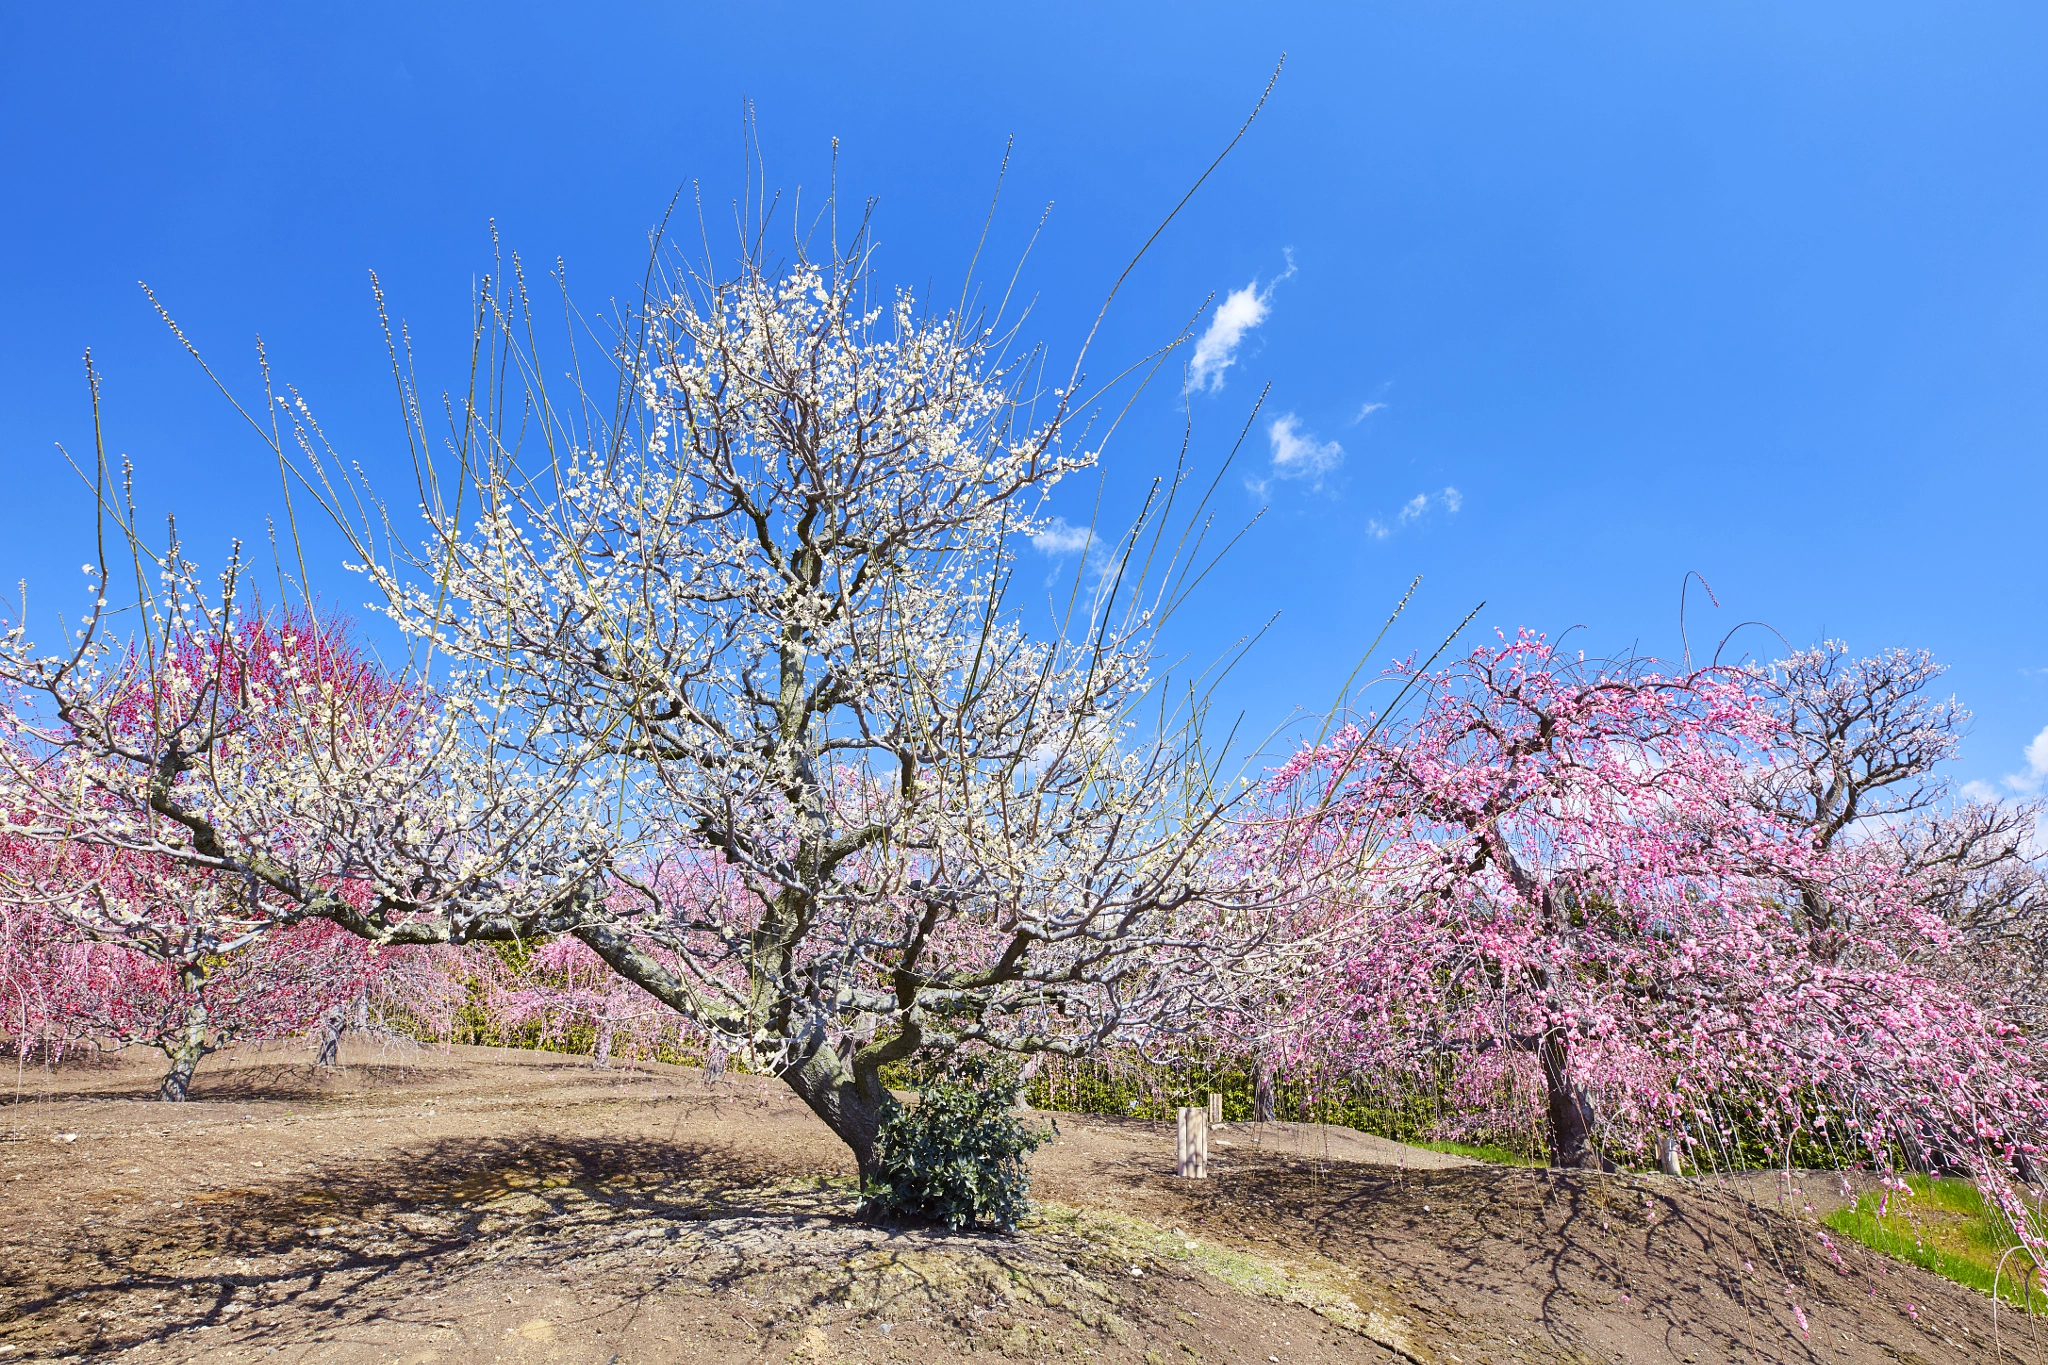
x=473 y=1206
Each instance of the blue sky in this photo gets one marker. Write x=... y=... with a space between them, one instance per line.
x=1557 y=303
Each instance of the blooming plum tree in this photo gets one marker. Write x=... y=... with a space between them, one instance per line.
x=1859 y=743
x=118 y=948
x=563 y=985
x=185 y=797
x=760 y=623
x=778 y=602
x=1572 y=866
x=46 y=976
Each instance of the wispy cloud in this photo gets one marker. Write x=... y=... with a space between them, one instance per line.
x=1240 y=311
x=1060 y=540
x=1365 y=411
x=1414 y=510
x=1296 y=455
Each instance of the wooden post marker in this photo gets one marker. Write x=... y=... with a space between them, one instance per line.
x=1191 y=1144
x=1215 y=1110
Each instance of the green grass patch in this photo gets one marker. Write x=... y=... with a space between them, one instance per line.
x=1485 y=1151
x=1946 y=1227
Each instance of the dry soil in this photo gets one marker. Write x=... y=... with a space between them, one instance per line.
x=470 y=1206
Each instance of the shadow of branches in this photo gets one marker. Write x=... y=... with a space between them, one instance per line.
x=381 y=1238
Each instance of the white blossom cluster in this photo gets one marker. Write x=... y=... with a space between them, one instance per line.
x=259 y=751
x=870 y=812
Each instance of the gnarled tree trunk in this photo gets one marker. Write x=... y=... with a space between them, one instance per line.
x=1571 y=1111
x=333 y=1025
x=852 y=1101
x=186 y=1047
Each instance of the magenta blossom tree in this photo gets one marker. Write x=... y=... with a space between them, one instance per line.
x=153 y=945
x=118 y=949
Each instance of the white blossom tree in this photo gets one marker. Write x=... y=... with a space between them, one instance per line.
x=750 y=651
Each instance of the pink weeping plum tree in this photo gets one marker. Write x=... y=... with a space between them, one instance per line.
x=1602 y=881
x=107 y=949
x=562 y=989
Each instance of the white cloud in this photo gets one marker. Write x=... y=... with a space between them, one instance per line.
x=1298 y=454
x=2029 y=782
x=1240 y=311
x=1368 y=410
x=1216 y=352
x=1450 y=500
x=1059 y=539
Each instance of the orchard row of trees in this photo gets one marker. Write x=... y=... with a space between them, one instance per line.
x=720 y=687
x=126 y=950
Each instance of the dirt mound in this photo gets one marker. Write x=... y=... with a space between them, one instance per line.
x=473 y=1206
x=1327 y=1142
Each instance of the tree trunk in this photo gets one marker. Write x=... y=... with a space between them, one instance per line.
x=1927 y=1152
x=852 y=1106
x=185 y=1048
x=333 y=1025
x=1023 y=1105
x=1571 y=1112
x=1262 y=1089
x=602 y=1054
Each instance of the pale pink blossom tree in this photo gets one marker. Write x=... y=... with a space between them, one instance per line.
x=1569 y=866
x=563 y=986
x=49 y=981
x=97 y=752
x=116 y=949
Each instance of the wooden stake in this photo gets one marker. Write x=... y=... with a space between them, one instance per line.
x=1191 y=1144
x=1215 y=1110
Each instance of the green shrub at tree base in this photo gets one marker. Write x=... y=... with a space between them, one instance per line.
x=957 y=1156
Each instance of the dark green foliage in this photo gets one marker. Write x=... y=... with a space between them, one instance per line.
x=1410 y=1108
x=956 y=1156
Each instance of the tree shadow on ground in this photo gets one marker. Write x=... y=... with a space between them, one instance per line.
x=1572 y=1253
x=371 y=1239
